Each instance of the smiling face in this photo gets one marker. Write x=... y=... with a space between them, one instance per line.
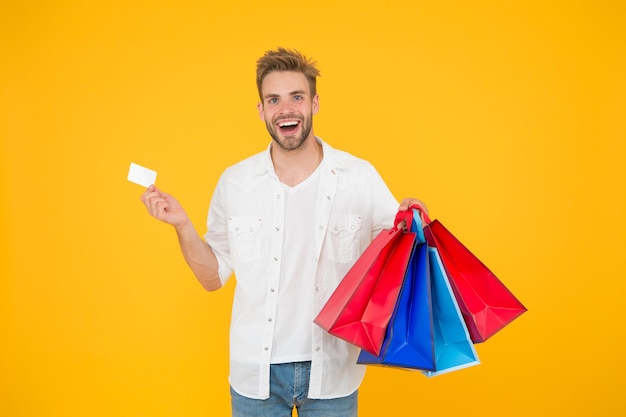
x=288 y=108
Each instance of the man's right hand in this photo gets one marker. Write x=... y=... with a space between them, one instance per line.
x=197 y=253
x=164 y=207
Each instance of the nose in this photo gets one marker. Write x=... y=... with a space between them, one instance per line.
x=285 y=107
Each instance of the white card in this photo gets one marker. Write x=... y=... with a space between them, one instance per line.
x=141 y=175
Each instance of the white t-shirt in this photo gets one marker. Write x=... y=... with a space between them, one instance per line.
x=292 y=334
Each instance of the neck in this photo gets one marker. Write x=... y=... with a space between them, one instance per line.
x=293 y=167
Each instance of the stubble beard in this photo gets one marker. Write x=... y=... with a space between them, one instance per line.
x=291 y=143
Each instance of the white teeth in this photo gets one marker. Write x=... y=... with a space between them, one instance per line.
x=285 y=124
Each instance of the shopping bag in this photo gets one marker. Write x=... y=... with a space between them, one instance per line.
x=361 y=306
x=487 y=305
x=454 y=349
x=409 y=339
x=382 y=300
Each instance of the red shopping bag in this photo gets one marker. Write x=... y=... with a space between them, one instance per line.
x=361 y=306
x=486 y=304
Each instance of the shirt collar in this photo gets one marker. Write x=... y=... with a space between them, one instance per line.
x=329 y=159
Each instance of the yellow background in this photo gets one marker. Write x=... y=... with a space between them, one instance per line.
x=507 y=118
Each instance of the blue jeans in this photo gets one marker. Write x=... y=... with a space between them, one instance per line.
x=289 y=386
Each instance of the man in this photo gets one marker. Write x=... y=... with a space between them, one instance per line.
x=289 y=222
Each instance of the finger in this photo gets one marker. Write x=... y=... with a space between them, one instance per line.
x=159 y=207
x=405 y=204
x=147 y=199
x=408 y=203
x=150 y=202
x=147 y=195
x=159 y=192
x=422 y=205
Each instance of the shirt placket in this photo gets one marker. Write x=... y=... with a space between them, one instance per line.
x=272 y=289
x=327 y=189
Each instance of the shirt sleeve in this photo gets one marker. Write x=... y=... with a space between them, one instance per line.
x=217 y=231
x=385 y=205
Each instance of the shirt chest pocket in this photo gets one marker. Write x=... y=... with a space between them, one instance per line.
x=245 y=237
x=344 y=235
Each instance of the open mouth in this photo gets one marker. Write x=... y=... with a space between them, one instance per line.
x=288 y=127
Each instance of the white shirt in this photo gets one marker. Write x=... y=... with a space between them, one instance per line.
x=246 y=227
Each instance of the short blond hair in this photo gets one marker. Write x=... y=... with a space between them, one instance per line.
x=283 y=59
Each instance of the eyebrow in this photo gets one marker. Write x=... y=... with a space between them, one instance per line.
x=293 y=93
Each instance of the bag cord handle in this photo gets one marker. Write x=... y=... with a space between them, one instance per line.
x=406 y=216
x=425 y=219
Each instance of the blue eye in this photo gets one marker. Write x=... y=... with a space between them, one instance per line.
x=273 y=100
x=297 y=97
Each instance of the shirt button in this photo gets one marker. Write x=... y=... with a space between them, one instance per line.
x=278 y=229
x=271 y=289
x=270 y=319
x=275 y=258
x=321 y=227
x=317 y=349
x=266 y=348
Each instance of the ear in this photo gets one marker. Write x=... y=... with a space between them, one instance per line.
x=315 y=104
x=261 y=112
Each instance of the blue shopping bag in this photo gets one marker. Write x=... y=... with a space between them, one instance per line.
x=454 y=349
x=409 y=338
